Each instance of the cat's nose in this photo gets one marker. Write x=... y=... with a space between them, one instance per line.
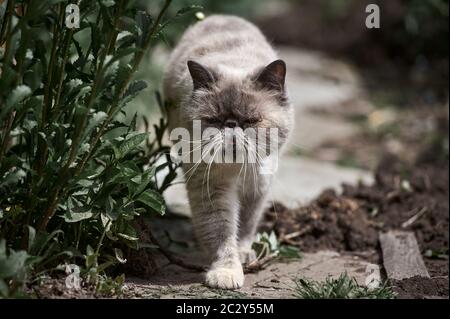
x=231 y=123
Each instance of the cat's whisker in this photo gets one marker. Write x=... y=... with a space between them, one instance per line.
x=245 y=154
x=191 y=141
x=197 y=164
x=244 y=162
x=217 y=147
x=254 y=159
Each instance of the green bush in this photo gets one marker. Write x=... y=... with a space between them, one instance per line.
x=73 y=177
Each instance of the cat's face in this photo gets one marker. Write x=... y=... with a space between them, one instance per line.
x=258 y=102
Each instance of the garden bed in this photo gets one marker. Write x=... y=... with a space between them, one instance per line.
x=414 y=198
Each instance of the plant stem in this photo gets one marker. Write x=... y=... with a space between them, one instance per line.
x=102 y=238
x=62 y=72
x=7 y=20
x=53 y=203
x=137 y=61
x=6 y=136
x=42 y=150
x=6 y=31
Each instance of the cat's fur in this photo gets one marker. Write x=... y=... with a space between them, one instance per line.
x=224 y=69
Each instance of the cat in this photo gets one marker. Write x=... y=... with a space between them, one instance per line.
x=225 y=74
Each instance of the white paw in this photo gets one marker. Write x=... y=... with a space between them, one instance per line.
x=247 y=255
x=225 y=278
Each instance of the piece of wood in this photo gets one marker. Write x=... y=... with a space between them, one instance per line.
x=401 y=255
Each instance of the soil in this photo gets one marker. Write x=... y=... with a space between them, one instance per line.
x=351 y=221
x=55 y=288
x=419 y=287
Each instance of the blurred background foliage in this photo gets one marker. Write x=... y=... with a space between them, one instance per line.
x=410 y=49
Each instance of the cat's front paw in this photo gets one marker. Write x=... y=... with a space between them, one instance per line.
x=225 y=278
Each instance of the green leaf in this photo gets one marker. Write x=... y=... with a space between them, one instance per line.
x=134 y=88
x=96 y=120
x=290 y=252
x=31 y=236
x=19 y=94
x=13 y=264
x=4 y=289
x=43 y=242
x=2 y=248
x=129 y=145
x=144 y=181
x=144 y=21
x=89 y=250
x=77 y=217
x=75 y=213
x=128 y=237
x=108 y=3
x=153 y=200
x=119 y=255
x=91 y=257
x=179 y=14
x=121 y=54
x=273 y=241
x=132 y=126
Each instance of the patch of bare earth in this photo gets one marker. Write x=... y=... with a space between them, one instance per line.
x=414 y=198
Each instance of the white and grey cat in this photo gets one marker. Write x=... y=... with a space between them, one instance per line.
x=224 y=73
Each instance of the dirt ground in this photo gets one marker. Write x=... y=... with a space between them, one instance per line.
x=408 y=198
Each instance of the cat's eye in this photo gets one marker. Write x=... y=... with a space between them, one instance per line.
x=253 y=120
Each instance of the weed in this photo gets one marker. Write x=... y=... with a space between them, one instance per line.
x=343 y=287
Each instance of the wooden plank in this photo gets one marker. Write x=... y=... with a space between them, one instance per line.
x=401 y=255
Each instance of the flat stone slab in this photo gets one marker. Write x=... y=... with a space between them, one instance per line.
x=401 y=255
x=315 y=81
x=276 y=281
x=300 y=180
x=312 y=131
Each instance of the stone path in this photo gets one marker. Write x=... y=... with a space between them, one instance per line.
x=276 y=281
x=315 y=82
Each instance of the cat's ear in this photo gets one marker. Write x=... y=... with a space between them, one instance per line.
x=273 y=76
x=201 y=76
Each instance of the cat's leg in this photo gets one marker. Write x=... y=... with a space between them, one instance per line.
x=253 y=204
x=215 y=218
